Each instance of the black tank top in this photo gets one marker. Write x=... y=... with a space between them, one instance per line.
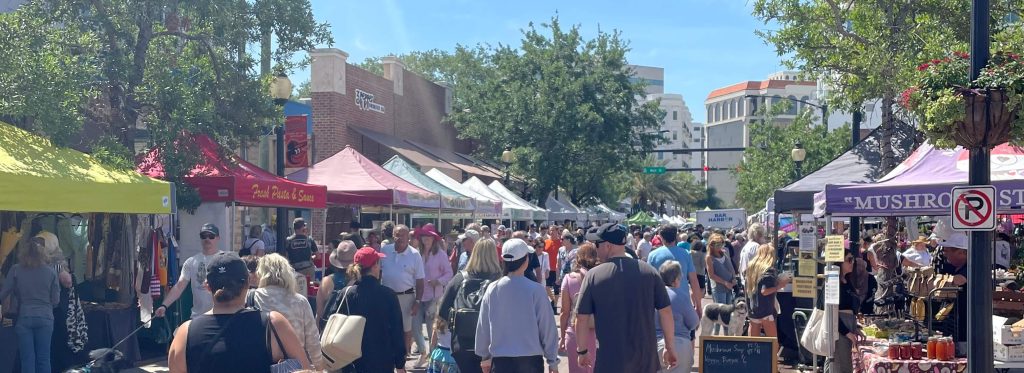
x=242 y=347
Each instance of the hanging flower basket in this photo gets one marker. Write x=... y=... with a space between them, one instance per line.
x=953 y=114
x=987 y=120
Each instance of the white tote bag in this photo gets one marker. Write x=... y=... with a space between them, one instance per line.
x=342 y=339
x=814 y=337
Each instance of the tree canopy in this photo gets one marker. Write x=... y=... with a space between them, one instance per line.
x=93 y=73
x=767 y=164
x=565 y=105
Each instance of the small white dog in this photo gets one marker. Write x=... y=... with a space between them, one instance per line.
x=730 y=316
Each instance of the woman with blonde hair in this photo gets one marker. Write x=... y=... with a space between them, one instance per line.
x=483 y=268
x=763 y=282
x=277 y=292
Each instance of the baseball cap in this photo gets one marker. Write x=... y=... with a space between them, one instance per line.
x=610 y=232
x=225 y=269
x=209 y=227
x=471 y=234
x=501 y=228
x=958 y=240
x=367 y=257
x=514 y=249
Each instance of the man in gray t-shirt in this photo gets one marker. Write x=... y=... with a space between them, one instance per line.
x=619 y=296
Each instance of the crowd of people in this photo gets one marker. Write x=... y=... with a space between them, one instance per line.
x=624 y=298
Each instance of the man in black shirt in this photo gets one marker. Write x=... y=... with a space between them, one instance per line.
x=300 y=248
x=618 y=296
x=954 y=248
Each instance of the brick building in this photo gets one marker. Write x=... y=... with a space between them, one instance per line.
x=399 y=113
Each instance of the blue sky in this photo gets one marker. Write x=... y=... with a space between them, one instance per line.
x=702 y=44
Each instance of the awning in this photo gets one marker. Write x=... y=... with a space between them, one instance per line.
x=352 y=179
x=859 y=165
x=37 y=176
x=538 y=213
x=562 y=209
x=404 y=149
x=455 y=160
x=922 y=185
x=234 y=180
x=511 y=209
x=450 y=199
x=486 y=208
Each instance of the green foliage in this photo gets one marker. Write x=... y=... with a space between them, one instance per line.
x=767 y=165
x=564 y=104
x=651 y=192
x=170 y=66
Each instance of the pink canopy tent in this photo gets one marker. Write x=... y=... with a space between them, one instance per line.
x=352 y=179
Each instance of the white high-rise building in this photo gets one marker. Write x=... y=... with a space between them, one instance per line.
x=675 y=126
x=697 y=141
x=729 y=112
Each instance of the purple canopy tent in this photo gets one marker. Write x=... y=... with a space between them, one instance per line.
x=921 y=185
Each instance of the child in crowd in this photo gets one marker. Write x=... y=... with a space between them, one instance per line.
x=441 y=360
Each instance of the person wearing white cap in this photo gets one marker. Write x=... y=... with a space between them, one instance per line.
x=954 y=249
x=516 y=327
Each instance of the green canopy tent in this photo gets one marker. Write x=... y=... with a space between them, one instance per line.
x=641 y=218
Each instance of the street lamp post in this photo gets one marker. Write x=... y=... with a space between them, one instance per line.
x=798 y=154
x=506 y=158
x=280 y=91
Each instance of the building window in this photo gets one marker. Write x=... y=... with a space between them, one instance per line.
x=709 y=108
x=661 y=156
x=793 y=105
x=675 y=156
x=732 y=109
x=753 y=105
x=675 y=135
x=675 y=115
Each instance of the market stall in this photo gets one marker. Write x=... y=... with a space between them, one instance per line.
x=89 y=212
x=223 y=181
x=454 y=205
x=485 y=207
x=512 y=210
x=539 y=214
x=562 y=210
x=641 y=218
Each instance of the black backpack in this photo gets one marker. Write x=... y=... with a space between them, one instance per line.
x=466 y=311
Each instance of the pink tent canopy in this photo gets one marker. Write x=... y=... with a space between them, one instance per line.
x=352 y=179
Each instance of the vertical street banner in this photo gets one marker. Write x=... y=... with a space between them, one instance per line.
x=296 y=142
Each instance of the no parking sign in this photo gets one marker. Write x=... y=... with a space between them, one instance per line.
x=974 y=208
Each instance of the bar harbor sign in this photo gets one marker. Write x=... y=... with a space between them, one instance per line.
x=364 y=101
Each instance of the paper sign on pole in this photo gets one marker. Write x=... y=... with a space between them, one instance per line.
x=833 y=248
x=803 y=287
x=808 y=238
x=832 y=286
x=807 y=267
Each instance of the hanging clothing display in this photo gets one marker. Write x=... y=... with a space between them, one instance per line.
x=8 y=241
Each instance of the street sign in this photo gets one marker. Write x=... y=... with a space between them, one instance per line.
x=654 y=170
x=974 y=208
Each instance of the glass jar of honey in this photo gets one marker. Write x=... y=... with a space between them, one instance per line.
x=940 y=349
x=932 y=341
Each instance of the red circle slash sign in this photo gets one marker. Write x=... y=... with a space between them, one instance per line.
x=964 y=209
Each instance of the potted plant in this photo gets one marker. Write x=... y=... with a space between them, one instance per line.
x=973 y=114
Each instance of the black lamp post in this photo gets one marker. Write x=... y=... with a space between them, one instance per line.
x=280 y=91
x=798 y=154
x=506 y=158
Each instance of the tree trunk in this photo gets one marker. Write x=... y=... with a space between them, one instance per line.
x=888 y=264
x=265 y=50
x=888 y=155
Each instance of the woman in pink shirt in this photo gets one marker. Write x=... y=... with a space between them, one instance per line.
x=437 y=273
x=586 y=258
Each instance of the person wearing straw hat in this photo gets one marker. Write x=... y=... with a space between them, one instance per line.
x=917 y=255
x=340 y=258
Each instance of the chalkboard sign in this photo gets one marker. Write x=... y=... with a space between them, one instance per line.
x=722 y=354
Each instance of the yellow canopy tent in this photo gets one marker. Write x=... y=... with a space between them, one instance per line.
x=37 y=176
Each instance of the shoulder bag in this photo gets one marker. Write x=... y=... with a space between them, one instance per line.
x=285 y=365
x=813 y=338
x=342 y=339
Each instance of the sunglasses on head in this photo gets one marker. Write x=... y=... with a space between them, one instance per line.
x=207 y=236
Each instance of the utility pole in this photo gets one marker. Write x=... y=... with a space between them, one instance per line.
x=979 y=268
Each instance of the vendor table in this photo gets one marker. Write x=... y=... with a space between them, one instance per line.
x=872 y=363
x=1005 y=366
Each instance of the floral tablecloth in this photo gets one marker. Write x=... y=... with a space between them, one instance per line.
x=872 y=363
